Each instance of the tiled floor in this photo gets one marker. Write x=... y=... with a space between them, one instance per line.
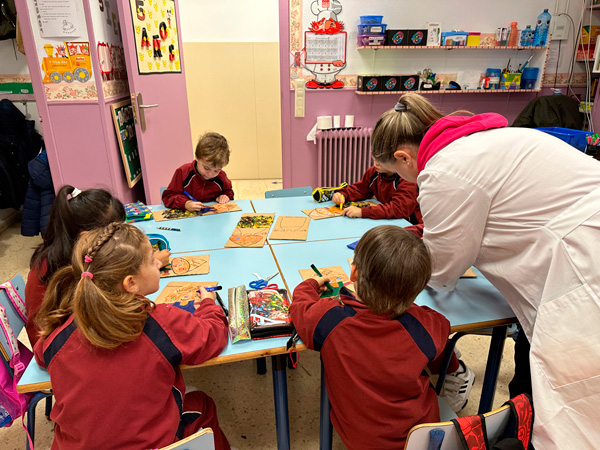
x=244 y=399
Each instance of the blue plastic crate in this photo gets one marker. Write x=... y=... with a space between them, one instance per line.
x=576 y=138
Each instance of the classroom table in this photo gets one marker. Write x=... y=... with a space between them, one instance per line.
x=322 y=229
x=475 y=304
x=197 y=233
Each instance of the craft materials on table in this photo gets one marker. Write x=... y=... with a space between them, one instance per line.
x=186 y=265
x=269 y=313
x=173 y=214
x=183 y=295
x=335 y=273
x=168 y=228
x=251 y=230
x=137 y=212
x=290 y=228
x=239 y=315
x=326 y=212
x=262 y=283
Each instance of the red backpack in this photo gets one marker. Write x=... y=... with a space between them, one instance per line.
x=517 y=436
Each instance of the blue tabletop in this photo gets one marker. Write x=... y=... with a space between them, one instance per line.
x=475 y=303
x=197 y=233
x=332 y=228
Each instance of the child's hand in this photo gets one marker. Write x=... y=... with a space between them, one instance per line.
x=204 y=294
x=162 y=256
x=337 y=198
x=352 y=211
x=222 y=199
x=193 y=206
x=322 y=280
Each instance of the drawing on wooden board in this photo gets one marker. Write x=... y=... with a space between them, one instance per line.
x=251 y=231
x=335 y=273
x=290 y=228
x=186 y=265
x=173 y=214
x=326 y=212
x=183 y=295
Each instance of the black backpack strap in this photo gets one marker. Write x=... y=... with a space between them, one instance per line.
x=522 y=414
x=472 y=432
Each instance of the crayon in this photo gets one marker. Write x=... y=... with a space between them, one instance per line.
x=313 y=267
x=169 y=229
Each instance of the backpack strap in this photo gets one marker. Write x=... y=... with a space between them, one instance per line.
x=15 y=299
x=15 y=356
x=522 y=412
x=472 y=432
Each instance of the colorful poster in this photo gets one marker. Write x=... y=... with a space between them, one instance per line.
x=156 y=43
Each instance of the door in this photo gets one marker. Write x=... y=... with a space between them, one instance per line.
x=155 y=71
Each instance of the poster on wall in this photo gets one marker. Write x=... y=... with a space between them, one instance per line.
x=57 y=18
x=156 y=43
x=68 y=62
x=122 y=115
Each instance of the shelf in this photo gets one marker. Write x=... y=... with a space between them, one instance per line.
x=446 y=47
x=451 y=91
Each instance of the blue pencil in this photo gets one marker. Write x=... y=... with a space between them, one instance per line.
x=190 y=196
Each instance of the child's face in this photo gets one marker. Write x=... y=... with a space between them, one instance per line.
x=379 y=168
x=148 y=277
x=206 y=169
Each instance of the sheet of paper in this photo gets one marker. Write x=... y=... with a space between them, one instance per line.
x=251 y=231
x=290 y=228
x=186 y=265
x=57 y=18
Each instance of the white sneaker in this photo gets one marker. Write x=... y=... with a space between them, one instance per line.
x=457 y=387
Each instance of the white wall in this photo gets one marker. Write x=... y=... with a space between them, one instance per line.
x=229 y=20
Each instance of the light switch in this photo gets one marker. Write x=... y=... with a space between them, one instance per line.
x=299 y=97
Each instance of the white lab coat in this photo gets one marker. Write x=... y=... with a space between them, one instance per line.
x=524 y=208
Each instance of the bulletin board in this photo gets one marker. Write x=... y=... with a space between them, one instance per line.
x=122 y=115
x=156 y=43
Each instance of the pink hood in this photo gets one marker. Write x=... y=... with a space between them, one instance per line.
x=450 y=128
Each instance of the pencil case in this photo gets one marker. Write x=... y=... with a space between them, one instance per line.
x=239 y=317
x=269 y=313
x=325 y=194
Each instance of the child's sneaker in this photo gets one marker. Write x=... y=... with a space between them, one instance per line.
x=457 y=387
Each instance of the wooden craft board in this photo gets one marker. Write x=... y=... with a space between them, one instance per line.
x=187 y=265
x=326 y=212
x=174 y=214
x=180 y=293
x=290 y=228
x=336 y=273
x=250 y=233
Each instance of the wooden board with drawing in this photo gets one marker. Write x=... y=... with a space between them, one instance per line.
x=186 y=265
x=183 y=295
x=290 y=228
x=251 y=231
x=335 y=273
x=173 y=214
x=326 y=212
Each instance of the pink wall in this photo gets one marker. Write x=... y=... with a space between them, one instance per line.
x=299 y=158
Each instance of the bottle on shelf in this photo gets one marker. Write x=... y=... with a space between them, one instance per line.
x=513 y=38
x=540 y=36
x=527 y=37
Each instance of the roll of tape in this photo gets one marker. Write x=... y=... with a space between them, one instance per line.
x=349 y=121
x=324 y=123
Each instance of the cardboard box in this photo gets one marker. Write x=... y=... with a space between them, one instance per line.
x=368 y=83
x=434 y=34
x=409 y=82
x=390 y=82
x=396 y=37
x=587 y=36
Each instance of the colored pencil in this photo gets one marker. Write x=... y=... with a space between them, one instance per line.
x=169 y=229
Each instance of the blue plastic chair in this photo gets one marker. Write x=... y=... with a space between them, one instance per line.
x=162 y=189
x=291 y=192
x=17 y=324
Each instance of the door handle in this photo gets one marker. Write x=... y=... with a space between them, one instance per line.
x=141 y=107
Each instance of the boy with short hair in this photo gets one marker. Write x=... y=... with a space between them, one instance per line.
x=398 y=197
x=202 y=180
x=376 y=344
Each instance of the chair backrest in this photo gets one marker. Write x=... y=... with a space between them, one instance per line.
x=14 y=318
x=291 y=192
x=495 y=421
x=201 y=440
x=162 y=189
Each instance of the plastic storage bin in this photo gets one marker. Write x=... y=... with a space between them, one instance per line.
x=372 y=29
x=454 y=38
x=529 y=77
x=370 y=20
x=370 y=39
x=576 y=138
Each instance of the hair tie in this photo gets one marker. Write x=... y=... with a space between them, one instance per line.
x=400 y=107
x=87 y=274
x=73 y=194
x=87 y=258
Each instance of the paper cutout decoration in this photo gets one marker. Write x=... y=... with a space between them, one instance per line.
x=182 y=294
x=173 y=214
x=251 y=231
x=186 y=265
x=326 y=212
x=336 y=273
x=290 y=228
x=469 y=274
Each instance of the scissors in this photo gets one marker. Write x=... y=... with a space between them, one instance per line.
x=262 y=283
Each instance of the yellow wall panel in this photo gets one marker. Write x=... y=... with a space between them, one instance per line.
x=225 y=96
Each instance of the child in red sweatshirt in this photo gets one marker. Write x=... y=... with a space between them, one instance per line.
x=202 y=180
x=398 y=197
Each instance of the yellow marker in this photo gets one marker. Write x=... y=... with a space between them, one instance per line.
x=342 y=203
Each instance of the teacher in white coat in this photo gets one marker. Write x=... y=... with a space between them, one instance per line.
x=524 y=208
